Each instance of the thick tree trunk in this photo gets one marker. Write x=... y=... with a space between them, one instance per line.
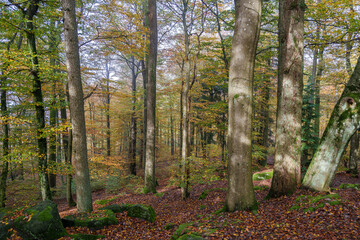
x=344 y=121
x=354 y=155
x=38 y=100
x=77 y=115
x=240 y=193
x=150 y=182
x=290 y=83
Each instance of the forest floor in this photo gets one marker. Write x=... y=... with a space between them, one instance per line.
x=299 y=216
x=303 y=215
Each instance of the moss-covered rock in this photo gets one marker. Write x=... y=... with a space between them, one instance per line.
x=40 y=222
x=142 y=211
x=95 y=220
x=116 y=208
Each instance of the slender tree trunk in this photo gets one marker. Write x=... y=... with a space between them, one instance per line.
x=38 y=100
x=108 y=130
x=132 y=150
x=343 y=123
x=67 y=148
x=77 y=115
x=172 y=139
x=290 y=83
x=240 y=192
x=52 y=139
x=5 y=142
x=150 y=182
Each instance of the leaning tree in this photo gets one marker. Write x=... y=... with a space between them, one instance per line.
x=343 y=123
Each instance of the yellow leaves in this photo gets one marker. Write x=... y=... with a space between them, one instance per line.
x=12 y=120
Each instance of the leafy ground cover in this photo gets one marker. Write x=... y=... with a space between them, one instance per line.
x=334 y=215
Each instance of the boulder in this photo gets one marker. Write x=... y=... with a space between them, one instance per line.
x=142 y=211
x=40 y=222
x=116 y=208
x=95 y=220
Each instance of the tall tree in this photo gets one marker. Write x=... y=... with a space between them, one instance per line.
x=240 y=193
x=290 y=84
x=150 y=181
x=76 y=98
x=29 y=11
x=343 y=123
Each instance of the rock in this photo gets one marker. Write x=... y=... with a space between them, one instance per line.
x=40 y=222
x=142 y=211
x=116 y=208
x=95 y=220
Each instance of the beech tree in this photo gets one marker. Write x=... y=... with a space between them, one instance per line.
x=76 y=98
x=150 y=182
x=343 y=123
x=290 y=83
x=240 y=193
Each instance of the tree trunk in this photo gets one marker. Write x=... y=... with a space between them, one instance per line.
x=343 y=123
x=150 y=182
x=67 y=148
x=290 y=83
x=5 y=142
x=240 y=192
x=354 y=155
x=77 y=115
x=38 y=100
x=132 y=149
x=52 y=139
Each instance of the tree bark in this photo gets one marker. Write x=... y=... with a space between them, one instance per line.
x=5 y=142
x=290 y=83
x=240 y=192
x=344 y=121
x=150 y=182
x=38 y=99
x=77 y=115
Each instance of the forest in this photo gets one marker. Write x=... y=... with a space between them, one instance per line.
x=179 y=119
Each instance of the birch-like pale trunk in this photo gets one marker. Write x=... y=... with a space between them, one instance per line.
x=344 y=121
x=77 y=114
x=240 y=193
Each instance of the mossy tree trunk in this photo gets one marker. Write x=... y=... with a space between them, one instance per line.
x=240 y=192
x=290 y=84
x=29 y=14
x=344 y=121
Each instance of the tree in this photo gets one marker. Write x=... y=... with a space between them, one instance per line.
x=343 y=123
x=240 y=193
x=150 y=182
x=76 y=98
x=290 y=83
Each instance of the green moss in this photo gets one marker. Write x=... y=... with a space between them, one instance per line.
x=312 y=203
x=206 y=192
x=116 y=208
x=142 y=211
x=295 y=207
x=169 y=226
x=159 y=194
x=181 y=230
x=104 y=201
x=260 y=188
x=349 y=185
x=262 y=176
x=202 y=207
x=221 y=210
x=94 y=220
